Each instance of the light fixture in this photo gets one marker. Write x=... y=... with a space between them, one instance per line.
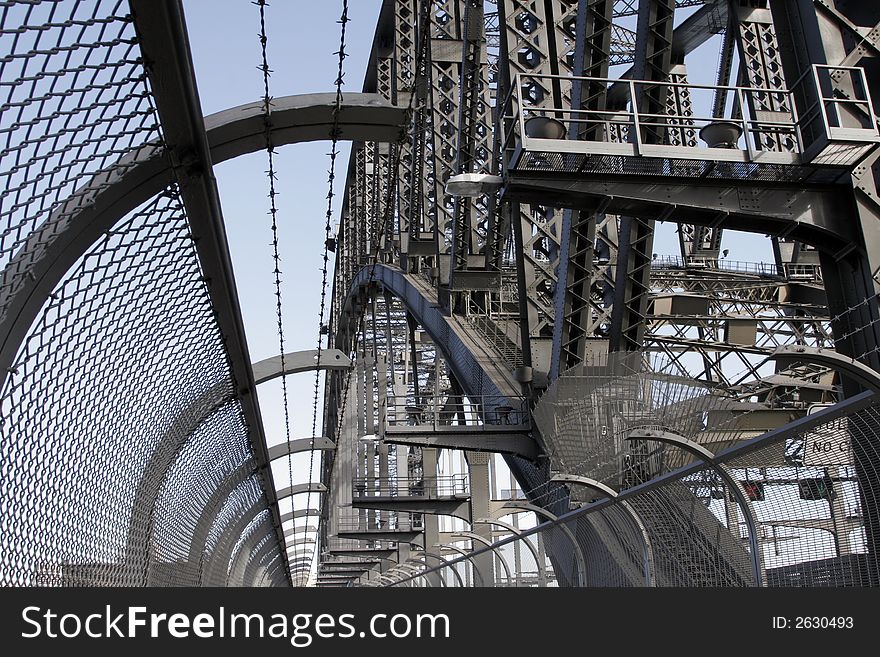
x=369 y=437
x=544 y=127
x=721 y=134
x=472 y=184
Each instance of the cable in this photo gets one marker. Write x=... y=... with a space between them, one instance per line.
x=273 y=212
x=334 y=136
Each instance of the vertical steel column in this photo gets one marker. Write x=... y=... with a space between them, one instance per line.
x=574 y=301
x=473 y=150
x=538 y=38
x=478 y=475
x=653 y=61
x=852 y=277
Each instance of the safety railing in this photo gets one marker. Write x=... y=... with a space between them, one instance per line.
x=457 y=412
x=366 y=521
x=761 y=126
x=723 y=264
x=791 y=270
x=426 y=487
x=784 y=509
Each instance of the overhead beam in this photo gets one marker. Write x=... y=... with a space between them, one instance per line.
x=296 y=362
x=518 y=444
x=866 y=376
x=300 y=445
x=71 y=230
x=297 y=489
x=808 y=214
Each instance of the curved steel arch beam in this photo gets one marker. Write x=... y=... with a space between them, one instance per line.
x=140 y=526
x=209 y=512
x=516 y=531
x=469 y=358
x=387 y=579
x=866 y=376
x=300 y=445
x=274 y=574
x=476 y=537
x=235 y=575
x=586 y=482
x=297 y=489
x=297 y=362
x=57 y=244
x=218 y=563
x=415 y=572
x=733 y=484
x=467 y=555
x=606 y=491
x=258 y=560
x=421 y=558
x=445 y=563
x=300 y=530
x=514 y=506
x=299 y=513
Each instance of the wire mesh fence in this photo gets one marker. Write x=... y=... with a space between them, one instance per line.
x=124 y=453
x=785 y=509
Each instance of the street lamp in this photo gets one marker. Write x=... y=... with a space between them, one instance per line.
x=472 y=184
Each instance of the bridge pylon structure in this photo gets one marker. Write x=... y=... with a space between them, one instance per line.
x=498 y=285
x=519 y=390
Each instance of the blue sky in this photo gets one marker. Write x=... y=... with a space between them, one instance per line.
x=302 y=40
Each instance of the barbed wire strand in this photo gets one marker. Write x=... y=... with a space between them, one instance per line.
x=331 y=178
x=273 y=212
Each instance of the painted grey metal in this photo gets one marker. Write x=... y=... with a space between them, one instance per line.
x=468 y=355
x=458 y=508
x=300 y=445
x=217 y=564
x=607 y=491
x=516 y=531
x=426 y=554
x=299 y=513
x=587 y=482
x=164 y=44
x=164 y=455
x=865 y=375
x=296 y=531
x=466 y=555
x=296 y=362
x=733 y=485
x=847 y=407
x=212 y=507
x=77 y=225
x=809 y=215
x=521 y=505
x=515 y=444
x=484 y=541
x=297 y=489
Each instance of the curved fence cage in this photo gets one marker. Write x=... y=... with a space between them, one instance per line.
x=124 y=454
x=750 y=517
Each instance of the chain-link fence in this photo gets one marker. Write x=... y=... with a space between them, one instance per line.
x=124 y=455
x=789 y=508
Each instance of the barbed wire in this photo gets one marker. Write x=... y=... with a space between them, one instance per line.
x=331 y=178
x=273 y=212
x=393 y=177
